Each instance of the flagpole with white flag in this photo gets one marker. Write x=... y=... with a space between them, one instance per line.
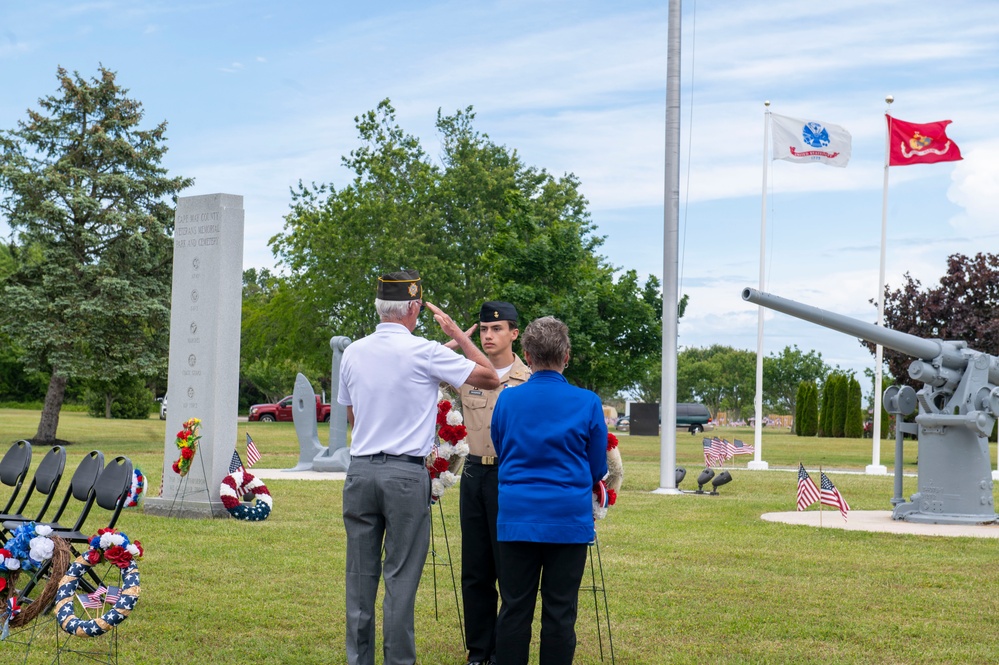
x=876 y=468
x=757 y=462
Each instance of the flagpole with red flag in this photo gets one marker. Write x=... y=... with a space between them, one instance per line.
x=876 y=467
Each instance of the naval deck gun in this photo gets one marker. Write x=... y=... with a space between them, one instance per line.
x=958 y=407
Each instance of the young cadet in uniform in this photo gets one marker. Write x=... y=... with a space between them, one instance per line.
x=389 y=382
x=498 y=329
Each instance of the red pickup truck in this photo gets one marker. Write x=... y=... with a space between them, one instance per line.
x=269 y=413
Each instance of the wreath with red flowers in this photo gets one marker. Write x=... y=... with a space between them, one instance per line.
x=447 y=457
x=605 y=491
x=115 y=548
x=187 y=442
x=235 y=486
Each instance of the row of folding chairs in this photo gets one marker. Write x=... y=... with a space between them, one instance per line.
x=93 y=483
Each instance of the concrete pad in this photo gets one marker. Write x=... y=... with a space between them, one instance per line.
x=288 y=474
x=881 y=521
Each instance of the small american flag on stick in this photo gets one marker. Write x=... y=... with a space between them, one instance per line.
x=252 y=454
x=808 y=493
x=830 y=496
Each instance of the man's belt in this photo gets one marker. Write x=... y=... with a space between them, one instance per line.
x=385 y=456
x=486 y=460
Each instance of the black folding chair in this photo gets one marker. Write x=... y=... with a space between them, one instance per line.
x=46 y=480
x=14 y=469
x=81 y=489
x=110 y=493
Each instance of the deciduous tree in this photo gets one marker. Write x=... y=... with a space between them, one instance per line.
x=963 y=306
x=478 y=225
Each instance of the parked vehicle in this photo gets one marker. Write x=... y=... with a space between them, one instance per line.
x=694 y=417
x=281 y=412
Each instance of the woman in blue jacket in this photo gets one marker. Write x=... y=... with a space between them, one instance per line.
x=551 y=440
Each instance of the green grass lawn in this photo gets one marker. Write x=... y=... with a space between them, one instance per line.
x=690 y=579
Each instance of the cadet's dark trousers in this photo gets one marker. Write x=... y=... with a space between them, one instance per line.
x=384 y=500
x=479 y=554
x=559 y=569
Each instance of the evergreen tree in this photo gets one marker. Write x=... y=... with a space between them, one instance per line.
x=810 y=411
x=853 y=426
x=84 y=191
x=839 y=406
x=825 y=411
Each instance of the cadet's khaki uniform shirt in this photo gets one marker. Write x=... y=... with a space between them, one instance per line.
x=477 y=408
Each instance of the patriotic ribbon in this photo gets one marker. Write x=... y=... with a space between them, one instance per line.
x=13 y=609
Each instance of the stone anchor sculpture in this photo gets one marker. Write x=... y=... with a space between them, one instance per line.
x=958 y=407
x=312 y=455
x=303 y=413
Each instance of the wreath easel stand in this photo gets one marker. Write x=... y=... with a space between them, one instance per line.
x=598 y=588
x=109 y=654
x=445 y=560
x=182 y=491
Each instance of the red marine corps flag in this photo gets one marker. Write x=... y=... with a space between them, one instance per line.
x=911 y=143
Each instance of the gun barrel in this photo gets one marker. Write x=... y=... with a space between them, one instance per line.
x=917 y=347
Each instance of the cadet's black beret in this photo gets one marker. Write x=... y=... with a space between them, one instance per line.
x=495 y=310
x=404 y=285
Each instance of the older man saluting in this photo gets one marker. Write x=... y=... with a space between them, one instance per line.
x=388 y=382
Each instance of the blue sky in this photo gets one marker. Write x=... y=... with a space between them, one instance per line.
x=259 y=95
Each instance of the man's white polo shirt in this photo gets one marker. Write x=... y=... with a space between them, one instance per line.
x=391 y=379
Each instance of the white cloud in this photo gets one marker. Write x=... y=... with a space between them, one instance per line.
x=975 y=187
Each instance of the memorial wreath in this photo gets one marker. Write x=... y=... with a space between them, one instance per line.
x=30 y=546
x=187 y=442
x=447 y=457
x=235 y=486
x=138 y=485
x=115 y=548
x=605 y=491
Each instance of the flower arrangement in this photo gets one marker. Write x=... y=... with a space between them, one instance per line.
x=138 y=485
x=449 y=451
x=187 y=442
x=605 y=491
x=28 y=548
x=114 y=547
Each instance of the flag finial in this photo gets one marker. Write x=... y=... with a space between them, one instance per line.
x=889 y=99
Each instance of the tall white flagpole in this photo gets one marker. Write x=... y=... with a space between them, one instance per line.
x=758 y=462
x=876 y=468
x=671 y=252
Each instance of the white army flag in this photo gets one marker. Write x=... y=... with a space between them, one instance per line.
x=807 y=141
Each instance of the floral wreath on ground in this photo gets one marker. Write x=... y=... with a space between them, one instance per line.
x=187 y=442
x=239 y=483
x=448 y=454
x=114 y=547
x=605 y=491
x=138 y=485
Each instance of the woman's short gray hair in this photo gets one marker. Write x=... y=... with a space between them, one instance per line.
x=546 y=341
x=392 y=310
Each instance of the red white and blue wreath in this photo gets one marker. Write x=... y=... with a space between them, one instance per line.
x=605 y=491
x=115 y=548
x=238 y=483
x=138 y=486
